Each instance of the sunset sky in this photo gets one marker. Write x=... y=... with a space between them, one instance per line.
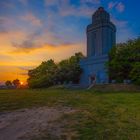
x=32 y=31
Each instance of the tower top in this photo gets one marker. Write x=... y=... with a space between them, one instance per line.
x=100 y=16
x=101 y=8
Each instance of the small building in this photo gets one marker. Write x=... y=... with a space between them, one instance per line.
x=101 y=36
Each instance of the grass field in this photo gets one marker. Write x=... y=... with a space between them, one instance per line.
x=101 y=116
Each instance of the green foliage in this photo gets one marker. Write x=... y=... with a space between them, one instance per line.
x=49 y=73
x=69 y=69
x=122 y=58
x=43 y=75
x=135 y=73
x=8 y=83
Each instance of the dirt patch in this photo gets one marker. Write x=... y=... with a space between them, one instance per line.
x=33 y=123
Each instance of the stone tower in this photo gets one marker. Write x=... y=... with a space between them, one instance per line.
x=101 y=36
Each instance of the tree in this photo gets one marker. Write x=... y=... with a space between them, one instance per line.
x=135 y=73
x=43 y=75
x=75 y=67
x=8 y=83
x=69 y=69
x=122 y=59
x=16 y=83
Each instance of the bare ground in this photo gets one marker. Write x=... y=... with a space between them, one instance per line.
x=32 y=124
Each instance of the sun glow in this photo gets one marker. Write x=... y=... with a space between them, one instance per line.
x=21 y=83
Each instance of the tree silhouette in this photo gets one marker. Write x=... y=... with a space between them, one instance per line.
x=16 y=83
x=8 y=83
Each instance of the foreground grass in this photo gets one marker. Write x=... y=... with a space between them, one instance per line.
x=102 y=116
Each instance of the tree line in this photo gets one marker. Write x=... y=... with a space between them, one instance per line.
x=49 y=73
x=15 y=83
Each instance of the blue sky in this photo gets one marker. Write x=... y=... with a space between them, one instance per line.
x=32 y=31
x=69 y=18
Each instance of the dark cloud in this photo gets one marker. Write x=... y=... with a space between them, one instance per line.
x=34 y=41
x=26 y=68
x=30 y=45
x=27 y=44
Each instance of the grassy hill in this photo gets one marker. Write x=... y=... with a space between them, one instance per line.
x=100 y=115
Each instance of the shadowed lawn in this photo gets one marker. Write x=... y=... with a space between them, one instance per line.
x=101 y=116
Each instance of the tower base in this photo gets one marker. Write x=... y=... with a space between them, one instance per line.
x=94 y=70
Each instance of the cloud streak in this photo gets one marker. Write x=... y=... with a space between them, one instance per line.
x=31 y=19
x=30 y=47
x=119 y=6
x=65 y=8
